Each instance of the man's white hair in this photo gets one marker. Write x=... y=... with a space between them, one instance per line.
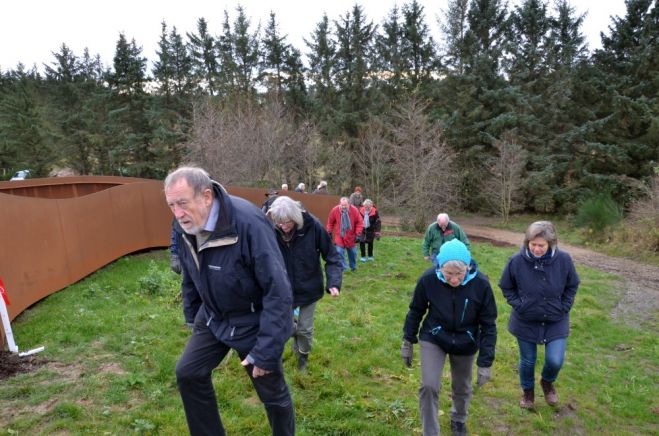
x=443 y=216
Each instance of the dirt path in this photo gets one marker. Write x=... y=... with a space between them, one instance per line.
x=639 y=283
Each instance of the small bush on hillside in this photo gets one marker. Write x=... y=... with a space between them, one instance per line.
x=641 y=228
x=598 y=213
x=157 y=281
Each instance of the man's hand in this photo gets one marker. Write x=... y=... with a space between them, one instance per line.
x=484 y=376
x=426 y=257
x=334 y=292
x=256 y=371
x=406 y=352
x=175 y=263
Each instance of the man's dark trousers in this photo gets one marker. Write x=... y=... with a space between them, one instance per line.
x=202 y=354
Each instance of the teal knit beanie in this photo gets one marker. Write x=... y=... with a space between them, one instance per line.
x=453 y=250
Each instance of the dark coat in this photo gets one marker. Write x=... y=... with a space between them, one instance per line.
x=302 y=258
x=368 y=235
x=460 y=320
x=541 y=294
x=236 y=282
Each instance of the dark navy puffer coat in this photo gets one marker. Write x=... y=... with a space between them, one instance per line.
x=460 y=320
x=302 y=258
x=236 y=284
x=541 y=294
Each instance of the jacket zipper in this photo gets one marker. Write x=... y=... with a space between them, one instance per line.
x=464 y=310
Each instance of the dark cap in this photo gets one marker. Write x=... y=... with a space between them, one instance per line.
x=271 y=192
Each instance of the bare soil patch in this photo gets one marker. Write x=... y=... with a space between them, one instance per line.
x=11 y=364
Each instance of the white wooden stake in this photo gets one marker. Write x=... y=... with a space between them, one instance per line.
x=7 y=326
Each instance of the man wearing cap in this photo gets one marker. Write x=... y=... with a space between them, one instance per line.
x=457 y=307
x=271 y=196
x=439 y=232
x=236 y=295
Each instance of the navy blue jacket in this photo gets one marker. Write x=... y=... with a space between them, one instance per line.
x=302 y=258
x=541 y=294
x=460 y=320
x=236 y=282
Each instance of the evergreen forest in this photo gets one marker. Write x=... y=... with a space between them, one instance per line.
x=508 y=111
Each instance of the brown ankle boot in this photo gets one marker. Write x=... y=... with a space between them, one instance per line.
x=527 y=399
x=551 y=397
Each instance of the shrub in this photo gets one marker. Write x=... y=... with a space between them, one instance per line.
x=598 y=213
x=157 y=281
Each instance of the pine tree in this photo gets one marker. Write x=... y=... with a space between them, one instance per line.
x=621 y=138
x=24 y=137
x=353 y=68
x=354 y=37
x=454 y=28
x=227 y=67
x=274 y=53
x=390 y=61
x=245 y=53
x=163 y=68
x=203 y=54
x=418 y=47
x=321 y=60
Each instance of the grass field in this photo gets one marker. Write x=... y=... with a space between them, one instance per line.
x=112 y=341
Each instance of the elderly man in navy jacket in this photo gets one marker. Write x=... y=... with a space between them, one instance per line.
x=236 y=294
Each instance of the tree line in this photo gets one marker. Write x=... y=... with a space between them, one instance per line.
x=507 y=111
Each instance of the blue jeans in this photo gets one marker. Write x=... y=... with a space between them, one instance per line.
x=352 y=257
x=528 y=353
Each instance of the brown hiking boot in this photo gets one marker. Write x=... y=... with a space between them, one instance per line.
x=551 y=397
x=527 y=399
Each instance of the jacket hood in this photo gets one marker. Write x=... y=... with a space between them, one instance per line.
x=527 y=256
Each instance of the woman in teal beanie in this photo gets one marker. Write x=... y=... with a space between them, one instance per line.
x=456 y=304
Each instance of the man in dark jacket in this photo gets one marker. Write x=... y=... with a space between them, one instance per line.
x=303 y=240
x=459 y=315
x=236 y=294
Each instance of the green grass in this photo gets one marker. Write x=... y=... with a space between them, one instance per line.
x=113 y=339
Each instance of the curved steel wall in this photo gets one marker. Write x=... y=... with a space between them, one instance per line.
x=56 y=231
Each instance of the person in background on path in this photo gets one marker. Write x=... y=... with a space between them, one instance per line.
x=271 y=196
x=439 y=232
x=303 y=241
x=237 y=294
x=540 y=283
x=284 y=187
x=356 y=198
x=345 y=224
x=321 y=188
x=371 y=229
x=457 y=306
x=301 y=188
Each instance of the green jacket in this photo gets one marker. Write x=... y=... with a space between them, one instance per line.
x=435 y=238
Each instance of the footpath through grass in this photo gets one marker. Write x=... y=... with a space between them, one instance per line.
x=112 y=341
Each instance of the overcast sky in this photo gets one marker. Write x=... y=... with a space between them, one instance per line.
x=30 y=30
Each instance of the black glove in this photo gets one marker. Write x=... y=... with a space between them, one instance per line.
x=175 y=263
x=406 y=352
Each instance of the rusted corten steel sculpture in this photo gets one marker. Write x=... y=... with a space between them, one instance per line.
x=56 y=231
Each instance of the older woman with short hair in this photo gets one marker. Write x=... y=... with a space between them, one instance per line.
x=540 y=283
x=456 y=303
x=302 y=241
x=371 y=229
